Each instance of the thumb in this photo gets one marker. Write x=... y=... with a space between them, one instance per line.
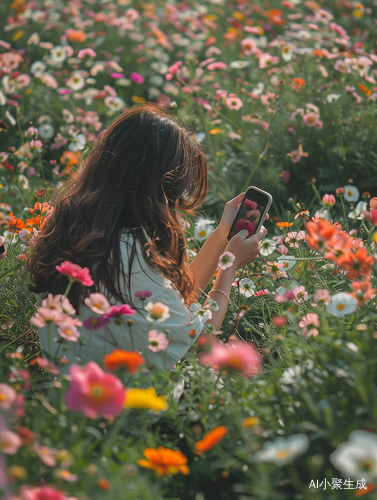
x=243 y=234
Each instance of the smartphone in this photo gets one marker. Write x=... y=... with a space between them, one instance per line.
x=252 y=212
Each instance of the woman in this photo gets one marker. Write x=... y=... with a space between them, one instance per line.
x=120 y=216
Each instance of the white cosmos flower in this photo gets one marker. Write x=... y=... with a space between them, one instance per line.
x=203 y=228
x=333 y=97
x=38 y=67
x=258 y=89
x=78 y=143
x=357 y=457
x=114 y=103
x=267 y=247
x=76 y=81
x=247 y=287
x=46 y=131
x=357 y=212
x=239 y=64
x=283 y=450
x=351 y=193
x=58 y=54
x=341 y=303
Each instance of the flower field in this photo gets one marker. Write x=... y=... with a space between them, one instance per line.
x=282 y=403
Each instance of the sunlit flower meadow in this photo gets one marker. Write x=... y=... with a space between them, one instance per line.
x=279 y=404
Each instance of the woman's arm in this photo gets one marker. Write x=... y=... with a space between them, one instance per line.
x=246 y=250
x=205 y=263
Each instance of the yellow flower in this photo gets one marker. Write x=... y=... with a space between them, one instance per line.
x=250 y=422
x=145 y=399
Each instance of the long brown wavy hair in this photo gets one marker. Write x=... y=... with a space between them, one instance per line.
x=143 y=171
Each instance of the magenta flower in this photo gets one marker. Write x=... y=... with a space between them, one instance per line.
x=250 y=204
x=119 y=310
x=95 y=323
x=136 y=78
x=76 y=273
x=94 y=392
x=143 y=294
x=236 y=355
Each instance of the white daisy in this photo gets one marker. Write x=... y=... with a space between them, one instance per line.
x=351 y=193
x=247 y=287
x=342 y=303
x=203 y=228
x=283 y=450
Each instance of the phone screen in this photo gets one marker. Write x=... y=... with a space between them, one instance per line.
x=251 y=213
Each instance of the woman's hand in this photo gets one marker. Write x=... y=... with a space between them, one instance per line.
x=228 y=216
x=244 y=248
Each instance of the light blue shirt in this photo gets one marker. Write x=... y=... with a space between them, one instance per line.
x=111 y=336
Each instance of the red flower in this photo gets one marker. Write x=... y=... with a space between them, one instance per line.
x=75 y=273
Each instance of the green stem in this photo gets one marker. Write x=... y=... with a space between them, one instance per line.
x=344 y=214
x=316 y=192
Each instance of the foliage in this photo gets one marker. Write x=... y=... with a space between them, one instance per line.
x=300 y=126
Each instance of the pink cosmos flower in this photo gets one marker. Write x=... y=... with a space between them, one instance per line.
x=9 y=441
x=86 y=52
x=157 y=341
x=68 y=331
x=46 y=365
x=236 y=355
x=136 y=78
x=233 y=102
x=248 y=46
x=216 y=65
x=311 y=119
x=293 y=238
x=321 y=296
x=46 y=454
x=309 y=323
x=59 y=303
x=97 y=303
x=94 y=392
x=76 y=273
x=8 y=397
x=41 y=493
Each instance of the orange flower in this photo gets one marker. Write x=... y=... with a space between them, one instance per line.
x=164 y=461
x=320 y=234
x=210 y=439
x=297 y=83
x=15 y=223
x=75 y=35
x=364 y=89
x=362 y=291
x=275 y=17
x=368 y=488
x=282 y=225
x=214 y=131
x=69 y=158
x=117 y=358
x=103 y=484
x=358 y=263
